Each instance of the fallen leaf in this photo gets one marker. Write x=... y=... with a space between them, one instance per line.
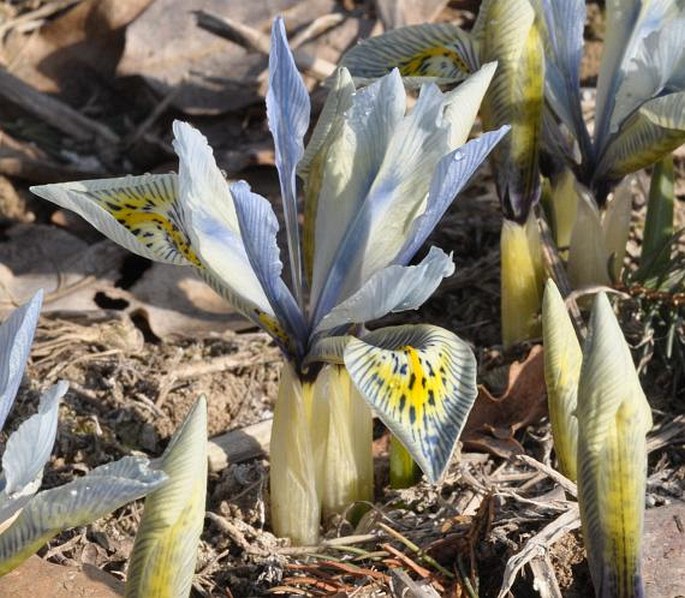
x=36 y=577
x=494 y=420
x=75 y=52
x=399 y=13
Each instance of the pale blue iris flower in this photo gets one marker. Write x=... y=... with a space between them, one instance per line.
x=377 y=179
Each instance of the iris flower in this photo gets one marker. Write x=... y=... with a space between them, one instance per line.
x=376 y=181
x=639 y=119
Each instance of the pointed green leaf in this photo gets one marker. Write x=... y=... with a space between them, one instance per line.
x=613 y=420
x=421 y=380
x=162 y=563
x=658 y=232
x=563 y=359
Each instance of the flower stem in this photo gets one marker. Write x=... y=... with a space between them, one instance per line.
x=403 y=470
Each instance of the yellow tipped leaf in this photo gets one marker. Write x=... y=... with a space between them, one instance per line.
x=563 y=358
x=613 y=420
x=422 y=382
x=162 y=563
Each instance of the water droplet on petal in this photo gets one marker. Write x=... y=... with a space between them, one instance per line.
x=458 y=156
x=73 y=492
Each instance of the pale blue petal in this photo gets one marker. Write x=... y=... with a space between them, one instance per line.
x=259 y=227
x=29 y=447
x=352 y=164
x=27 y=451
x=564 y=24
x=80 y=502
x=451 y=175
x=287 y=108
x=393 y=289
x=16 y=336
x=396 y=196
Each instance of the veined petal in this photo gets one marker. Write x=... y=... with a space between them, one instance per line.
x=563 y=358
x=452 y=174
x=351 y=165
x=422 y=382
x=396 y=198
x=162 y=562
x=287 y=109
x=99 y=492
x=463 y=103
x=29 y=447
x=214 y=231
x=562 y=25
x=259 y=227
x=16 y=336
x=141 y=213
x=393 y=289
x=628 y=23
x=613 y=420
x=439 y=50
x=657 y=68
x=657 y=128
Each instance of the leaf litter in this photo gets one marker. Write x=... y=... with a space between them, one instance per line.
x=502 y=520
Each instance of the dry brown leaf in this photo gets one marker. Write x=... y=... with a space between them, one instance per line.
x=71 y=53
x=37 y=577
x=494 y=420
x=217 y=75
x=399 y=13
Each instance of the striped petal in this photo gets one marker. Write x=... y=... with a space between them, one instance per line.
x=29 y=448
x=422 y=382
x=628 y=23
x=80 y=502
x=441 y=50
x=656 y=129
x=563 y=358
x=393 y=289
x=16 y=336
x=287 y=108
x=140 y=213
x=562 y=25
x=311 y=168
x=613 y=420
x=395 y=199
x=259 y=227
x=350 y=167
x=162 y=563
x=452 y=174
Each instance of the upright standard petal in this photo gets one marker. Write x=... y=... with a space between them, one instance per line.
x=162 y=562
x=395 y=199
x=90 y=497
x=29 y=447
x=452 y=174
x=562 y=25
x=613 y=420
x=16 y=336
x=352 y=163
x=287 y=108
x=421 y=380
